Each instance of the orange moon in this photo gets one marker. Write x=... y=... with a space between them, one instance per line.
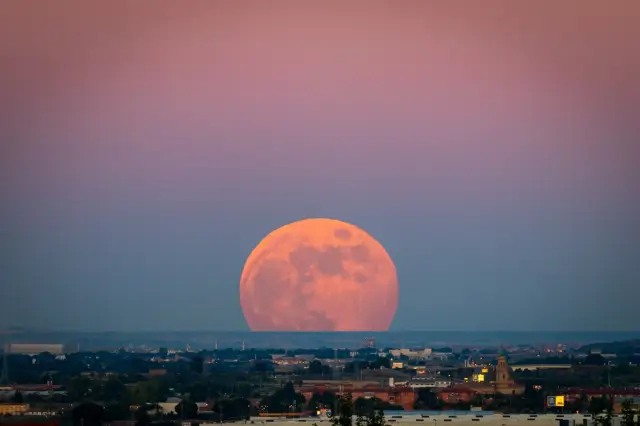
x=319 y=275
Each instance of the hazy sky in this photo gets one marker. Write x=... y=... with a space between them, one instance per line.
x=493 y=147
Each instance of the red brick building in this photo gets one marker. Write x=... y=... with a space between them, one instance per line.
x=403 y=396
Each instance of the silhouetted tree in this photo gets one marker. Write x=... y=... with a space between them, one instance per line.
x=344 y=414
x=599 y=405
x=187 y=409
x=197 y=364
x=88 y=414
x=17 y=397
x=78 y=388
x=427 y=400
x=366 y=406
x=115 y=412
x=112 y=390
x=595 y=359
x=142 y=416
x=315 y=367
x=199 y=392
x=628 y=414
x=261 y=367
x=381 y=362
x=326 y=399
x=284 y=400
x=232 y=409
x=375 y=418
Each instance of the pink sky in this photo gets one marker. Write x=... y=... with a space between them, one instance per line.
x=485 y=108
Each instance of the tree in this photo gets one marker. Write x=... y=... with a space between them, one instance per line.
x=328 y=399
x=115 y=412
x=364 y=407
x=628 y=414
x=261 y=367
x=314 y=402
x=88 y=414
x=427 y=400
x=375 y=418
x=187 y=409
x=79 y=388
x=17 y=397
x=607 y=419
x=381 y=362
x=599 y=405
x=320 y=400
x=149 y=391
x=596 y=406
x=344 y=414
x=197 y=364
x=315 y=367
x=284 y=400
x=198 y=392
x=233 y=409
x=371 y=414
x=112 y=390
x=142 y=416
x=595 y=359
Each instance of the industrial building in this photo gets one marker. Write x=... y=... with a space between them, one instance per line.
x=34 y=348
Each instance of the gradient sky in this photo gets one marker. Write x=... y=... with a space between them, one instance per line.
x=493 y=147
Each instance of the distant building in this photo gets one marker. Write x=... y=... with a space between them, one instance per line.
x=504 y=384
x=496 y=380
x=535 y=367
x=38 y=389
x=440 y=355
x=430 y=383
x=484 y=382
x=13 y=409
x=289 y=361
x=34 y=348
x=481 y=375
x=411 y=354
x=454 y=395
x=403 y=396
x=157 y=372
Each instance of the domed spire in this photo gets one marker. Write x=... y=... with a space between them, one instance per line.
x=503 y=352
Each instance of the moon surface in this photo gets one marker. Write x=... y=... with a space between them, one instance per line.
x=319 y=275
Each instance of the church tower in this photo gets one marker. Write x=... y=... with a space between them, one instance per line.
x=504 y=383
x=503 y=377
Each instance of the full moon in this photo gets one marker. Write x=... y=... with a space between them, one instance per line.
x=319 y=275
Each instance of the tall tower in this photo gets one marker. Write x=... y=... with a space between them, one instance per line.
x=502 y=371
